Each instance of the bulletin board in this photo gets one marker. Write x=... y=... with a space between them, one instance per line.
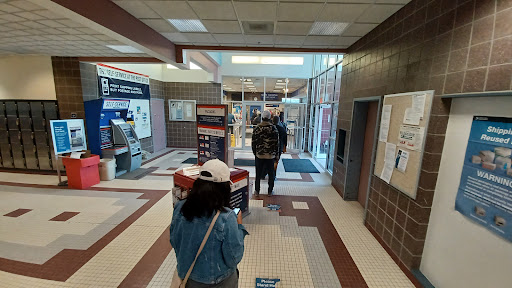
x=408 y=120
x=182 y=110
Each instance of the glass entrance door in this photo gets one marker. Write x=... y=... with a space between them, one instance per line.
x=322 y=132
x=295 y=121
x=251 y=118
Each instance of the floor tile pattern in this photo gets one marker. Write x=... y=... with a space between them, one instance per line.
x=17 y=212
x=64 y=216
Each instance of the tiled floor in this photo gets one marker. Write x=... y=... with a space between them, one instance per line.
x=115 y=234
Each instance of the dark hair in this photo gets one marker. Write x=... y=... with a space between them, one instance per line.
x=205 y=198
x=275 y=120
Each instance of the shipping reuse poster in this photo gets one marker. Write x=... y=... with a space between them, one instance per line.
x=211 y=133
x=485 y=189
x=68 y=135
x=117 y=83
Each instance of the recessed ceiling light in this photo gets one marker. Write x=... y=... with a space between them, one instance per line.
x=279 y=80
x=188 y=25
x=328 y=28
x=124 y=48
x=194 y=66
x=169 y=66
x=276 y=90
x=280 y=84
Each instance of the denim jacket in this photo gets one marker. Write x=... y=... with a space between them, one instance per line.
x=221 y=253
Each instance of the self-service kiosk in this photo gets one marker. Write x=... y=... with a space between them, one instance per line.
x=110 y=136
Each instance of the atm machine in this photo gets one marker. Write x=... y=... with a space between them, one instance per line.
x=125 y=136
x=110 y=136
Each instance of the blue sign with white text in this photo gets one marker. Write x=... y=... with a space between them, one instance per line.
x=61 y=134
x=266 y=283
x=485 y=190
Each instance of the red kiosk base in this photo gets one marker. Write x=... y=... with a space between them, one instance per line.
x=82 y=173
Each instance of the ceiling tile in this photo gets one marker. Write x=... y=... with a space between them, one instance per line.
x=346 y=41
x=256 y=11
x=290 y=40
x=200 y=37
x=358 y=29
x=11 y=18
x=160 y=25
x=30 y=16
x=293 y=28
x=351 y=1
x=217 y=10
x=216 y=26
x=101 y=37
x=172 y=9
x=138 y=9
x=86 y=30
x=7 y=8
x=49 y=14
x=320 y=40
x=378 y=13
x=393 y=1
x=175 y=37
x=71 y=31
x=51 y=23
x=15 y=26
x=70 y=23
x=342 y=12
x=259 y=39
x=298 y=11
x=229 y=38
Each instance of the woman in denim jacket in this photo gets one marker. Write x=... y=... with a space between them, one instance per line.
x=216 y=265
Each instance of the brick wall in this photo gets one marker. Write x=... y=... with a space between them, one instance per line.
x=445 y=45
x=68 y=86
x=183 y=134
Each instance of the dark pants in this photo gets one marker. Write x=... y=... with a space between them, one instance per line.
x=265 y=165
x=230 y=282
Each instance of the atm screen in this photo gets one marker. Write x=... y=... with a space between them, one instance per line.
x=128 y=133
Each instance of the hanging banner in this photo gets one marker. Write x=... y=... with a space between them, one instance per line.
x=118 y=83
x=68 y=135
x=485 y=190
x=212 y=142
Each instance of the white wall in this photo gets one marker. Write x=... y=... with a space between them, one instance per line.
x=254 y=70
x=459 y=252
x=27 y=78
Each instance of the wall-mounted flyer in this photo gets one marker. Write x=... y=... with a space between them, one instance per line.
x=68 y=135
x=485 y=190
x=211 y=132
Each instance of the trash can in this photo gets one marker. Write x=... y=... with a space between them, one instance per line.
x=107 y=169
x=82 y=173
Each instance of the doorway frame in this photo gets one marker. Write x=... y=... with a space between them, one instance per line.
x=246 y=104
x=359 y=132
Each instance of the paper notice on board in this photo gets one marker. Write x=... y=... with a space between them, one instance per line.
x=188 y=110
x=411 y=137
x=412 y=117
x=384 y=123
x=387 y=172
x=401 y=160
x=418 y=104
x=389 y=155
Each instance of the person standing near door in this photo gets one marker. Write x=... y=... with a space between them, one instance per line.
x=283 y=139
x=265 y=146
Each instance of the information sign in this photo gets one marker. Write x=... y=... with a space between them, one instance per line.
x=212 y=142
x=68 y=135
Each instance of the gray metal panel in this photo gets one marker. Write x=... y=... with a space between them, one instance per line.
x=39 y=123
x=2 y=108
x=23 y=109
x=5 y=149
x=3 y=123
x=18 y=157
x=41 y=140
x=30 y=156
x=15 y=138
x=25 y=124
x=50 y=111
x=27 y=138
x=36 y=109
x=4 y=137
x=10 y=108
x=12 y=123
x=44 y=162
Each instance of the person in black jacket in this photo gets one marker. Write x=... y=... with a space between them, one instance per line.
x=283 y=139
x=265 y=146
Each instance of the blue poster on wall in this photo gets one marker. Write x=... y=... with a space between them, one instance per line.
x=211 y=132
x=118 y=83
x=485 y=190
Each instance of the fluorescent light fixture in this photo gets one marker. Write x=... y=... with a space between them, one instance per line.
x=279 y=80
x=267 y=60
x=169 y=66
x=124 y=48
x=224 y=85
x=188 y=25
x=328 y=28
x=285 y=90
x=194 y=66
x=276 y=90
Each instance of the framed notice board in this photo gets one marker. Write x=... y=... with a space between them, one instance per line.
x=402 y=134
x=212 y=127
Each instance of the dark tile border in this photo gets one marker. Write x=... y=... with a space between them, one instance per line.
x=17 y=213
x=64 y=216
